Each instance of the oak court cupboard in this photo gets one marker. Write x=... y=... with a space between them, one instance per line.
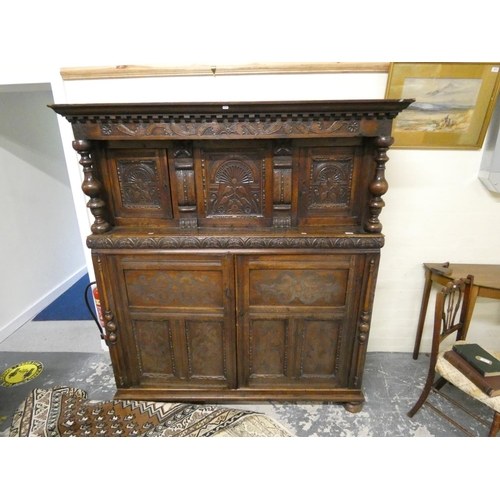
x=236 y=245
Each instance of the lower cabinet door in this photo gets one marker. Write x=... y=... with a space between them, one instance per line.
x=297 y=320
x=176 y=316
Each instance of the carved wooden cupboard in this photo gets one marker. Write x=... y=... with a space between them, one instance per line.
x=236 y=246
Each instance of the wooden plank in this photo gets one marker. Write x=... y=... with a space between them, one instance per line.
x=133 y=71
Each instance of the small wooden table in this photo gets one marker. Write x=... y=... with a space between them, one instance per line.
x=486 y=284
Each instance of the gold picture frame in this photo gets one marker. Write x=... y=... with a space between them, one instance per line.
x=453 y=103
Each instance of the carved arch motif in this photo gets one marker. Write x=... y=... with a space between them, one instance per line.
x=139 y=185
x=331 y=183
x=234 y=191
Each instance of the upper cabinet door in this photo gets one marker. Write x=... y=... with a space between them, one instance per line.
x=332 y=184
x=138 y=182
x=234 y=183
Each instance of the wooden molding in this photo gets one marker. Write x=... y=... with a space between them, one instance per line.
x=133 y=71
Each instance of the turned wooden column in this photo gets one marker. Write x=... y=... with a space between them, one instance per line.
x=92 y=188
x=378 y=186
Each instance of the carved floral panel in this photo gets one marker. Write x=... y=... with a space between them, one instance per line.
x=330 y=183
x=139 y=184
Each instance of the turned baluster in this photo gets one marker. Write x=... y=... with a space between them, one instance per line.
x=92 y=188
x=378 y=186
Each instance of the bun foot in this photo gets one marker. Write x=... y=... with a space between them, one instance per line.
x=353 y=407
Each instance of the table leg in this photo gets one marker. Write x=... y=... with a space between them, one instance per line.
x=423 y=312
x=472 y=302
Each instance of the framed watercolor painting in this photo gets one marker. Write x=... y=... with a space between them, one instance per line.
x=453 y=103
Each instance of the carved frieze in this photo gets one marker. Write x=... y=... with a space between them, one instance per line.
x=236 y=242
x=179 y=128
x=232 y=120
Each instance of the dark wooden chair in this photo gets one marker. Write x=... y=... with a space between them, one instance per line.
x=452 y=304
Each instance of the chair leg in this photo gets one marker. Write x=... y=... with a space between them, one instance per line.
x=421 y=399
x=495 y=426
x=423 y=312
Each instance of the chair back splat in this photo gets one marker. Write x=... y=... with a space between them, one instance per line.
x=452 y=307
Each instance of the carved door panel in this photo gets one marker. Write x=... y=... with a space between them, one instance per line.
x=177 y=320
x=330 y=185
x=296 y=322
x=139 y=182
x=234 y=183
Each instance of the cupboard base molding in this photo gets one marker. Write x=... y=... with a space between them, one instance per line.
x=352 y=398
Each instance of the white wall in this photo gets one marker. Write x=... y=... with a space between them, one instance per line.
x=437 y=210
x=41 y=250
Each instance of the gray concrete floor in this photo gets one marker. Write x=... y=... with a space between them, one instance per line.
x=55 y=336
x=72 y=354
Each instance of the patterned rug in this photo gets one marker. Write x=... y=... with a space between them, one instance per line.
x=66 y=411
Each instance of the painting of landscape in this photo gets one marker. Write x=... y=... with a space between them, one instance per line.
x=441 y=104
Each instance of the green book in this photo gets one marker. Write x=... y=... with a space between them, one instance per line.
x=486 y=364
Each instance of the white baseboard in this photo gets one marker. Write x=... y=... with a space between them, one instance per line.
x=40 y=305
